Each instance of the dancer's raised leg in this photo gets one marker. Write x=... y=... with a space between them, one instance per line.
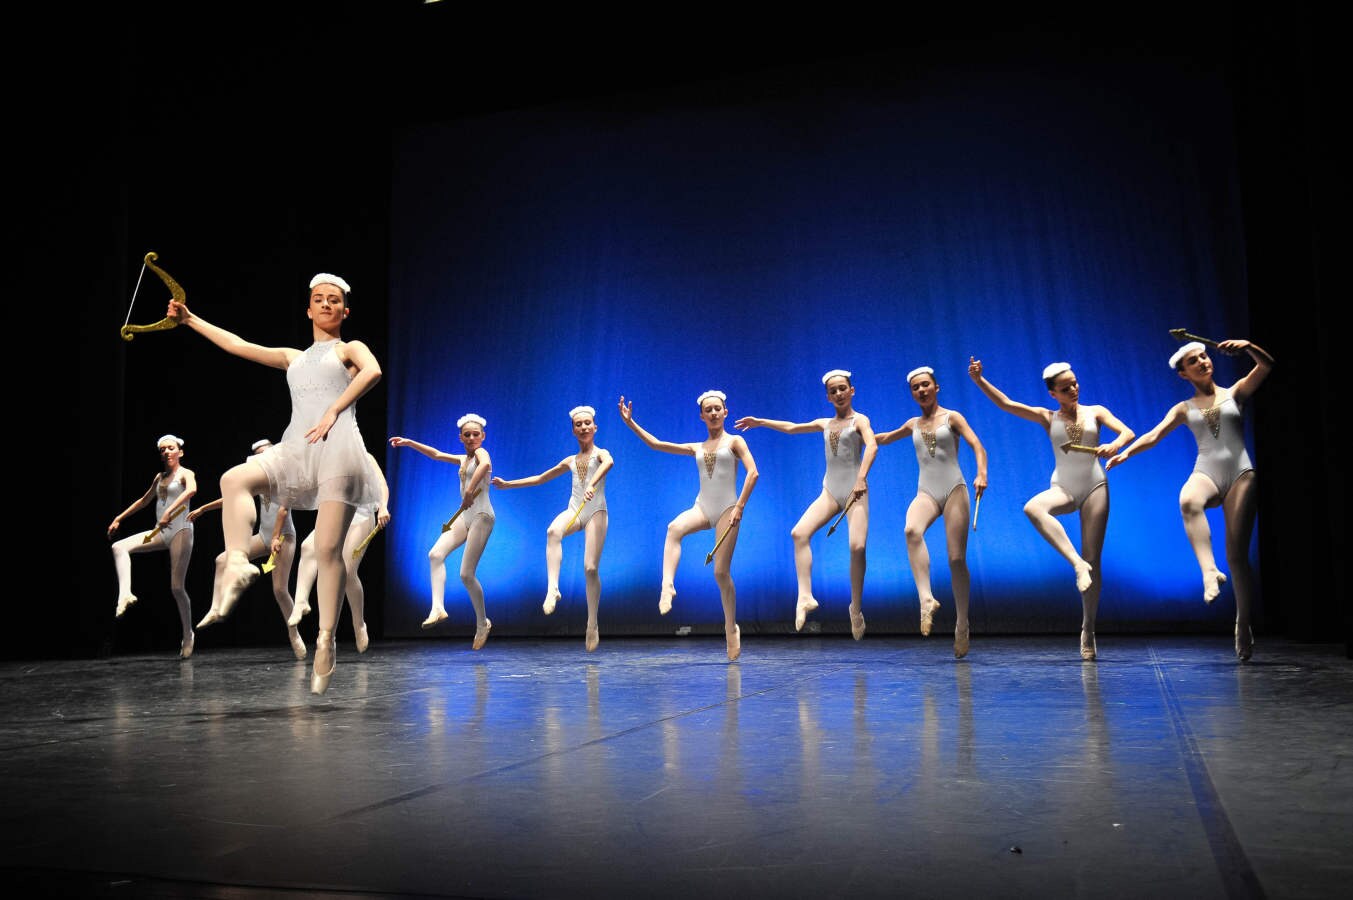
x=688 y=522
x=1042 y=510
x=921 y=514
x=554 y=557
x=818 y=513
x=1195 y=497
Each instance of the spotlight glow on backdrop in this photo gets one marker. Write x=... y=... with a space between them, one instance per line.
x=548 y=258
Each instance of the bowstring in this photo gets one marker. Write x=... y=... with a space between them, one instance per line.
x=135 y=290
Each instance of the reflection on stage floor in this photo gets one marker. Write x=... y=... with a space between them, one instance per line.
x=815 y=767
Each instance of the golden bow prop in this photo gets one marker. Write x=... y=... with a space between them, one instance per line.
x=176 y=291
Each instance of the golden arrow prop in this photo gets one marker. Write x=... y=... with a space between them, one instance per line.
x=158 y=528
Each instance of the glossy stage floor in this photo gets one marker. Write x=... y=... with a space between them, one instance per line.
x=814 y=767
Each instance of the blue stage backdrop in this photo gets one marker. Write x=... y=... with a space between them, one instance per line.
x=554 y=257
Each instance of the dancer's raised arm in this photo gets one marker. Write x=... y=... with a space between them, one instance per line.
x=1250 y=381
x=627 y=416
x=997 y=396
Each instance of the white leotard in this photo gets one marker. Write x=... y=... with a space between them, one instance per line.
x=843 y=461
x=1076 y=473
x=598 y=502
x=481 y=505
x=302 y=475
x=1222 y=456
x=165 y=498
x=718 y=479
x=939 y=473
x=267 y=518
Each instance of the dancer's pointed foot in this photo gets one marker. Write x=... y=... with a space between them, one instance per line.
x=363 y=639
x=326 y=660
x=481 y=635
x=960 y=642
x=591 y=638
x=857 y=623
x=124 y=603
x=1083 y=577
x=928 y=608
x=805 y=605
x=665 y=599
x=186 y=646
x=239 y=574
x=297 y=645
x=734 y=643
x=551 y=598
x=437 y=616
x=1089 y=652
x=211 y=618
x=1212 y=583
x=1244 y=643
x=298 y=610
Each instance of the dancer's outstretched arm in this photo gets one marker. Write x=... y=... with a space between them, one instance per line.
x=1177 y=415
x=747 y=422
x=277 y=357
x=627 y=414
x=884 y=438
x=428 y=451
x=549 y=474
x=139 y=504
x=213 y=506
x=996 y=395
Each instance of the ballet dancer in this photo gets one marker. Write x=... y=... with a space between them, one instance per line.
x=173 y=491
x=363 y=520
x=850 y=447
x=1078 y=481
x=586 y=511
x=320 y=462
x=940 y=491
x=1222 y=475
x=281 y=543
x=718 y=505
x=472 y=526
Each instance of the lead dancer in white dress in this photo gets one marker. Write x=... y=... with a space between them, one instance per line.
x=365 y=519
x=279 y=541
x=1222 y=475
x=473 y=525
x=718 y=505
x=320 y=462
x=940 y=491
x=586 y=511
x=1078 y=481
x=848 y=441
x=173 y=490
